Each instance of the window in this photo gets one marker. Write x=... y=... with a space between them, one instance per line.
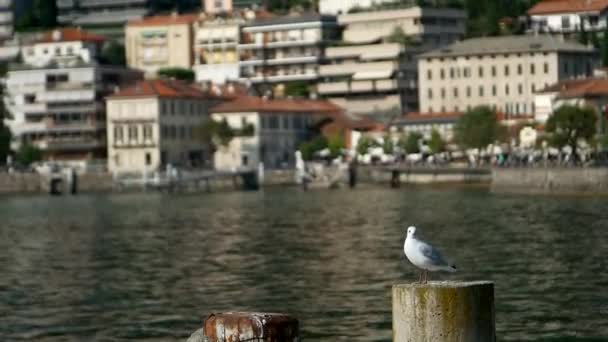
x=182 y=132
x=430 y=93
x=441 y=74
x=532 y=69
x=163 y=108
x=173 y=107
x=455 y=92
x=452 y=74
x=118 y=133
x=565 y=21
x=466 y=72
x=148 y=132
x=519 y=69
x=480 y=71
x=57 y=51
x=533 y=88
x=546 y=67
x=429 y=75
x=443 y=93
x=192 y=109
x=493 y=71
x=480 y=91
x=520 y=89
x=506 y=70
x=566 y=67
x=70 y=50
x=494 y=90
x=468 y=91
x=430 y=110
x=132 y=132
x=148 y=158
x=507 y=89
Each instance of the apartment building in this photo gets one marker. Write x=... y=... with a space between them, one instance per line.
x=502 y=72
x=106 y=17
x=279 y=126
x=6 y=19
x=63 y=47
x=282 y=49
x=568 y=17
x=160 y=42
x=335 y=7
x=153 y=123
x=375 y=73
x=215 y=50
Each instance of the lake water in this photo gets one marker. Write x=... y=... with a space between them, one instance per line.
x=150 y=266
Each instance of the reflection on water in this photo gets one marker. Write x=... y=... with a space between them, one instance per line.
x=150 y=267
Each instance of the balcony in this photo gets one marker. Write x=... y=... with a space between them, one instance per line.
x=71 y=144
x=351 y=68
x=34 y=108
x=292 y=60
x=363 y=86
x=333 y=88
x=279 y=78
x=154 y=42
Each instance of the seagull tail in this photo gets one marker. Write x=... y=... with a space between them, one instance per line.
x=451 y=268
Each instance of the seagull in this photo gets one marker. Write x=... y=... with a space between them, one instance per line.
x=424 y=256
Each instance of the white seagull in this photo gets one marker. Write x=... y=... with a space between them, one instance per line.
x=424 y=256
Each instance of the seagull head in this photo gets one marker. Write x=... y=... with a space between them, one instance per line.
x=411 y=230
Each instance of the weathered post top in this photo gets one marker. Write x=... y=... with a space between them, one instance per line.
x=444 y=311
x=250 y=326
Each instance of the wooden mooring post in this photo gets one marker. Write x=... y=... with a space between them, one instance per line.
x=247 y=326
x=444 y=311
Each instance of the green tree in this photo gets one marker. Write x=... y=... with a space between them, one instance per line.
x=387 y=145
x=410 y=142
x=42 y=14
x=605 y=47
x=113 y=53
x=335 y=143
x=570 y=125
x=399 y=36
x=309 y=148
x=297 y=89
x=364 y=144
x=595 y=40
x=28 y=154
x=177 y=73
x=215 y=133
x=436 y=144
x=478 y=128
x=583 y=37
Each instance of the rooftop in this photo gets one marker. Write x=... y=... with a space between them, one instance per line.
x=568 y=6
x=165 y=20
x=589 y=87
x=69 y=34
x=258 y=104
x=161 y=88
x=507 y=44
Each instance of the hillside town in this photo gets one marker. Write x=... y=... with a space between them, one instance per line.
x=134 y=86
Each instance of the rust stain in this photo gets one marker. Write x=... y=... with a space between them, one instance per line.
x=250 y=326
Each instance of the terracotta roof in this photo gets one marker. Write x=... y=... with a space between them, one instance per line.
x=164 y=20
x=69 y=34
x=589 y=87
x=257 y=104
x=161 y=88
x=568 y=6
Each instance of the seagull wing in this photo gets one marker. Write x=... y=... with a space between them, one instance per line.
x=432 y=254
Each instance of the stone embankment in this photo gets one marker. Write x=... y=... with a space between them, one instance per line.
x=550 y=180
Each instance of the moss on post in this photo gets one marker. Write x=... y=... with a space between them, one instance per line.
x=444 y=311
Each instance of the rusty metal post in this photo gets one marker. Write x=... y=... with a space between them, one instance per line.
x=250 y=326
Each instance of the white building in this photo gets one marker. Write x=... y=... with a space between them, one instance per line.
x=501 y=72
x=63 y=47
x=374 y=73
x=56 y=101
x=336 y=7
x=6 y=19
x=153 y=123
x=569 y=16
x=279 y=126
x=216 y=57
x=284 y=49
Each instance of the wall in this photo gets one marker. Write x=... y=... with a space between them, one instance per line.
x=549 y=181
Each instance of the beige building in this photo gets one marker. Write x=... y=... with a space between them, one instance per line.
x=153 y=123
x=279 y=126
x=160 y=42
x=502 y=72
x=215 y=50
x=376 y=72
